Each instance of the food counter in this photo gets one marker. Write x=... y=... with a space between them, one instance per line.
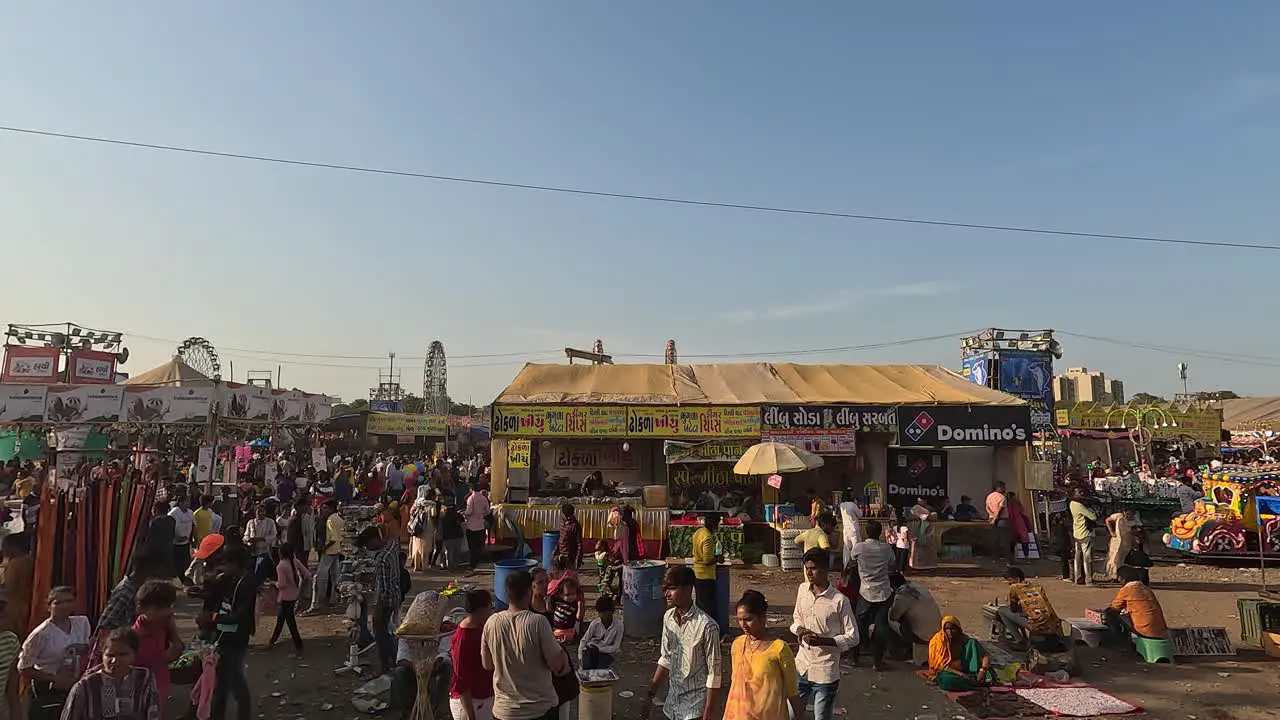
x=533 y=520
x=729 y=536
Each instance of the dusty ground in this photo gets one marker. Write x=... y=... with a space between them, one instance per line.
x=1244 y=688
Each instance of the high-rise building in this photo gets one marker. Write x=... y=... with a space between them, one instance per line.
x=1081 y=385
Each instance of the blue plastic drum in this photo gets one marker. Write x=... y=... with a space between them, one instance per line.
x=643 y=602
x=501 y=570
x=550 y=539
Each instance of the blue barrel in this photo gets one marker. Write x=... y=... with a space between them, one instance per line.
x=724 y=595
x=551 y=538
x=501 y=570
x=643 y=602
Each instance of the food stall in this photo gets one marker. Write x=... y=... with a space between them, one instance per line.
x=663 y=437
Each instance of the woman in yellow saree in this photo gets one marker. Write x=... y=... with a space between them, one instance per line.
x=957 y=662
x=764 y=679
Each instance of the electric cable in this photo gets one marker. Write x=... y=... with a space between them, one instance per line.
x=776 y=209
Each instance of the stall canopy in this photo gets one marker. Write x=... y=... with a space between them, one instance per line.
x=747 y=384
x=173 y=373
x=1242 y=414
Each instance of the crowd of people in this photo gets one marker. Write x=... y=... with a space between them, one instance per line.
x=273 y=544
x=273 y=549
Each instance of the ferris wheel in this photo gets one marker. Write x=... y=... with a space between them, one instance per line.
x=200 y=355
x=435 y=377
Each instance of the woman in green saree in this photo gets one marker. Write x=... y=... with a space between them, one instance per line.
x=957 y=662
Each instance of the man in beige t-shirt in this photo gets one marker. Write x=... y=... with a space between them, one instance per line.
x=518 y=647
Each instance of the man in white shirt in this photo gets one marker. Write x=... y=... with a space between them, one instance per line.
x=823 y=621
x=183 y=524
x=875 y=561
x=850 y=524
x=261 y=526
x=473 y=517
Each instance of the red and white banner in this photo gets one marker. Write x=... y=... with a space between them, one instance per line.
x=91 y=367
x=30 y=365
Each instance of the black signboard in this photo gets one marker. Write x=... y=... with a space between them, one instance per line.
x=915 y=474
x=955 y=425
x=867 y=418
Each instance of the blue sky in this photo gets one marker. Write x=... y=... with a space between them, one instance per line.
x=1136 y=118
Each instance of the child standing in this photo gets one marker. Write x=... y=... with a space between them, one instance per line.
x=560 y=571
x=291 y=574
x=567 y=608
x=901 y=546
x=603 y=638
x=158 y=641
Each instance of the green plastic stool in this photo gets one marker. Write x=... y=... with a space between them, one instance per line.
x=1154 y=651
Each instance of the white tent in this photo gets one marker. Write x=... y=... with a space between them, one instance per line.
x=174 y=373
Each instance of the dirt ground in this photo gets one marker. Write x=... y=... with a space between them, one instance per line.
x=1246 y=687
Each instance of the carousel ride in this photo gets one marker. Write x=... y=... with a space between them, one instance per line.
x=1239 y=514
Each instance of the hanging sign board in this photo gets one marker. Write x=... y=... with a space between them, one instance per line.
x=91 y=367
x=519 y=454
x=72 y=404
x=1039 y=475
x=30 y=365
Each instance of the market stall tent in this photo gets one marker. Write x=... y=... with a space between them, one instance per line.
x=746 y=384
x=1254 y=413
x=174 y=373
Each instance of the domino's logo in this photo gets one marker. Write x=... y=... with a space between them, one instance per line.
x=919 y=426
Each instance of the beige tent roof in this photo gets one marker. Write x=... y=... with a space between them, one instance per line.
x=174 y=373
x=747 y=384
x=1250 y=413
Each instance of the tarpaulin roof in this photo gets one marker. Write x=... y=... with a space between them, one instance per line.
x=747 y=384
x=1250 y=413
x=174 y=373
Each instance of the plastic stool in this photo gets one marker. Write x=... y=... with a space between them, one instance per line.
x=1154 y=651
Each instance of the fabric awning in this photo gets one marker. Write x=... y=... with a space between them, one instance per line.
x=747 y=384
x=1255 y=413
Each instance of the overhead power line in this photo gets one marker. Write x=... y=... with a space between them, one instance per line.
x=632 y=196
x=1237 y=358
x=531 y=356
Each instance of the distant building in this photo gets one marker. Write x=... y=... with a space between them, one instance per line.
x=1081 y=385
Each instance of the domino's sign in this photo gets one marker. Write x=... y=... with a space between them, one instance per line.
x=960 y=425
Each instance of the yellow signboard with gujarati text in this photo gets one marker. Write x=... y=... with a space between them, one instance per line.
x=1204 y=425
x=559 y=421
x=405 y=424
x=693 y=422
x=519 y=454
x=619 y=421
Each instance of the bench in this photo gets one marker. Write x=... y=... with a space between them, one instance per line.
x=1087 y=631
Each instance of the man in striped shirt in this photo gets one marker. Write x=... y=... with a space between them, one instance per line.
x=689 y=658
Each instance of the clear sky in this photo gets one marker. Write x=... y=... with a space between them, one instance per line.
x=1137 y=118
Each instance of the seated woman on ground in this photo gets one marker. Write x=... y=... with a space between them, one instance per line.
x=957 y=662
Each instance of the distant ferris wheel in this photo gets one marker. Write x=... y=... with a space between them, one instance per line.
x=435 y=380
x=200 y=355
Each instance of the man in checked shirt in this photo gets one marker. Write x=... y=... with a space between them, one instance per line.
x=386 y=596
x=689 y=658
